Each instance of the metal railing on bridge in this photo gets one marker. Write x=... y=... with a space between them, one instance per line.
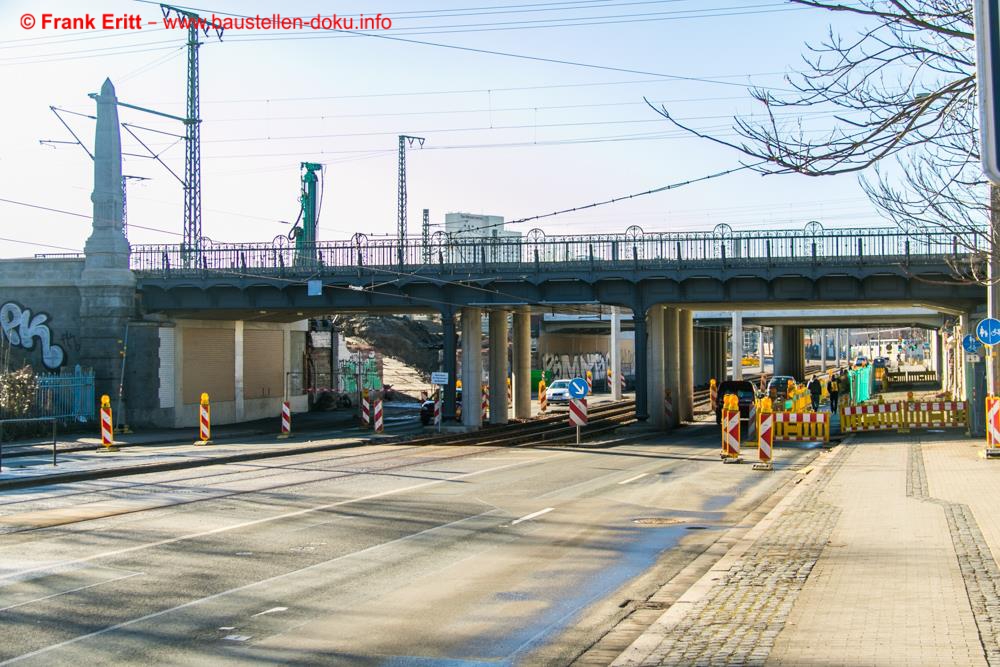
x=633 y=249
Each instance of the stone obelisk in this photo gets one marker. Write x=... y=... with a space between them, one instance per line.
x=107 y=286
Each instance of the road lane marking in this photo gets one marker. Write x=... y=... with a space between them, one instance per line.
x=632 y=479
x=532 y=515
x=238 y=589
x=72 y=590
x=272 y=610
x=277 y=517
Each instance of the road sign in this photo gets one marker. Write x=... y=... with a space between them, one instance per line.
x=988 y=331
x=578 y=412
x=987 y=22
x=578 y=386
x=439 y=378
x=971 y=344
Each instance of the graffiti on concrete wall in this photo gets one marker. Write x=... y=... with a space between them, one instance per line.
x=23 y=330
x=575 y=365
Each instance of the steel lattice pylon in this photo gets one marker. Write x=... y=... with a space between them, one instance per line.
x=192 y=148
x=404 y=141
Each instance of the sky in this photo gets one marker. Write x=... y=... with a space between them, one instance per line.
x=504 y=135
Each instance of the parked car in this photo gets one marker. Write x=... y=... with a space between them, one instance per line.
x=745 y=392
x=558 y=392
x=780 y=385
x=860 y=361
x=880 y=362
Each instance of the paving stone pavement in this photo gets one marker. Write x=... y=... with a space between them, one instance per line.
x=879 y=558
x=737 y=622
x=978 y=566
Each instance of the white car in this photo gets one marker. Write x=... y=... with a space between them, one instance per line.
x=558 y=392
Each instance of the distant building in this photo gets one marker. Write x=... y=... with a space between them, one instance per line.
x=471 y=235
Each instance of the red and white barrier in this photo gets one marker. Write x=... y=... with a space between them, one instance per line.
x=366 y=418
x=107 y=424
x=730 y=434
x=204 y=421
x=992 y=422
x=486 y=403
x=765 y=441
x=578 y=412
x=379 y=425
x=286 y=420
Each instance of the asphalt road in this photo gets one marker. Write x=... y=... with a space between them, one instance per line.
x=383 y=554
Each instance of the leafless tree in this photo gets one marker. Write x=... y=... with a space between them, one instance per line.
x=903 y=87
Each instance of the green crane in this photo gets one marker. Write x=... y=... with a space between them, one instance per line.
x=305 y=234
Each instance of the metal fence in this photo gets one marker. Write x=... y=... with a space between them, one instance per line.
x=633 y=248
x=67 y=396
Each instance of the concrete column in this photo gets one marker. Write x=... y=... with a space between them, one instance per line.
x=672 y=363
x=655 y=365
x=935 y=360
x=836 y=348
x=498 y=367
x=789 y=348
x=449 y=362
x=238 y=390
x=760 y=347
x=721 y=352
x=472 y=366
x=614 y=354
x=641 y=345
x=822 y=351
x=737 y=345
x=685 y=353
x=521 y=380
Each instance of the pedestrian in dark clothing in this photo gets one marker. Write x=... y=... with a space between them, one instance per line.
x=815 y=388
x=833 y=388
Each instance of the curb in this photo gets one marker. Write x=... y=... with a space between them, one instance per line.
x=650 y=639
x=142 y=469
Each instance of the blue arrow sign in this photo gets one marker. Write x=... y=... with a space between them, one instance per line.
x=988 y=331
x=971 y=344
x=578 y=386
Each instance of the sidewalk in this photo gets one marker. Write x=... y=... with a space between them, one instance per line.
x=160 y=450
x=883 y=555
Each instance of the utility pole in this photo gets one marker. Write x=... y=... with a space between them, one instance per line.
x=404 y=141
x=192 y=127
x=426 y=236
x=993 y=283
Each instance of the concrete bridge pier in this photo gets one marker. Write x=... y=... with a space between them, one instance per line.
x=655 y=366
x=498 y=367
x=450 y=363
x=737 y=345
x=472 y=366
x=672 y=364
x=789 y=352
x=685 y=355
x=639 y=316
x=614 y=354
x=521 y=380
x=720 y=352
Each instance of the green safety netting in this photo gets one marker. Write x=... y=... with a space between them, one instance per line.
x=861 y=383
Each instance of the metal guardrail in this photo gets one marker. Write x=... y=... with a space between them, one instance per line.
x=633 y=249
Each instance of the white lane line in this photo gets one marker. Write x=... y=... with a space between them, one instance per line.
x=272 y=610
x=238 y=589
x=532 y=516
x=72 y=590
x=278 y=517
x=632 y=479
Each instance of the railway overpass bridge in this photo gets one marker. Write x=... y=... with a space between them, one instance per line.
x=661 y=278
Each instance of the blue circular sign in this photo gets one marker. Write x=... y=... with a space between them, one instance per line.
x=971 y=344
x=988 y=331
x=578 y=387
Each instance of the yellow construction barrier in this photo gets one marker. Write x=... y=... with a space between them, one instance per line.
x=802 y=426
x=872 y=417
x=935 y=414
